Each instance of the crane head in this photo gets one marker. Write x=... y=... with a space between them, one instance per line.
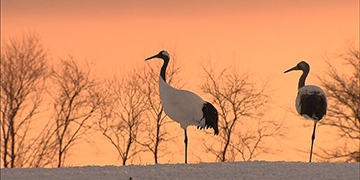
x=162 y=55
x=304 y=66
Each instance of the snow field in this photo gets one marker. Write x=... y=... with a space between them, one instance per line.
x=228 y=170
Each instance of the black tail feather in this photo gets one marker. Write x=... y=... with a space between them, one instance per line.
x=211 y=117
x=314 y=105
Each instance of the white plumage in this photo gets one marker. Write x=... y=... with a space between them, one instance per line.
x=183 y=106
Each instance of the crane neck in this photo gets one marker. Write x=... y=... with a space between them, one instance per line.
x=163 y=68
x=303 y=78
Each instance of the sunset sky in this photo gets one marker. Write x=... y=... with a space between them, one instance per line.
x=263 y=38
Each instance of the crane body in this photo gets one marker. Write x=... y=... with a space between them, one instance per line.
x=184 y=107
x=311 y=102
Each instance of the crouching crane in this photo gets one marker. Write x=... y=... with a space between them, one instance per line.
x=183 y=106
x=311 y=100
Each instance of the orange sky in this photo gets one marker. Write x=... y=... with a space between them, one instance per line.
x=261 y=37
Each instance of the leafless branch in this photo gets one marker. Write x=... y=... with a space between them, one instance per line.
x=23 y=74
x=76 y=101
x=238 y=100
x=343 y=93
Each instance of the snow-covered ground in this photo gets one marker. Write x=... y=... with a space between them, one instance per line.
x=229 y=170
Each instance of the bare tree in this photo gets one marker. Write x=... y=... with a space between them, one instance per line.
x=240 y=104
x=123 y=115
x=76 y=100
x=343 y=93
x=250 y=143
x=156 y=133
x=23 y=71
x=43 y=152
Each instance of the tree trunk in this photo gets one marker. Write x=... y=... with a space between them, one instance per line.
x=12 y=135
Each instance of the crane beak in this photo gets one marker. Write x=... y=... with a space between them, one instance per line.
x=294 y=68
x=155 y=56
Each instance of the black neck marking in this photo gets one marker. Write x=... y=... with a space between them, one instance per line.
x=163 y=68
x=303 y=78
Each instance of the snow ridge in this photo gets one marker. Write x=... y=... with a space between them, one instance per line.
x=228 y=170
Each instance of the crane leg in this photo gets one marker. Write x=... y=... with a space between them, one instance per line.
x=312 y=140
x=186 y=142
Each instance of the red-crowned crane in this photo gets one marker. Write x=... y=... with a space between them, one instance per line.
x=183 y=106
x=311 y=100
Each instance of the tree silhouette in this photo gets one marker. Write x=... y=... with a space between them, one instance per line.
x=241 y=108
x=23 y=72
x=343 y=93
x=123 y=114
x=76 y=100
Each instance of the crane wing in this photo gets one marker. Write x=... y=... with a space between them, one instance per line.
x=311 y=102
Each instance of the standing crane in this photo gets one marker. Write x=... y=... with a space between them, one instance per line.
x=311 y=100
x=183 y=106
